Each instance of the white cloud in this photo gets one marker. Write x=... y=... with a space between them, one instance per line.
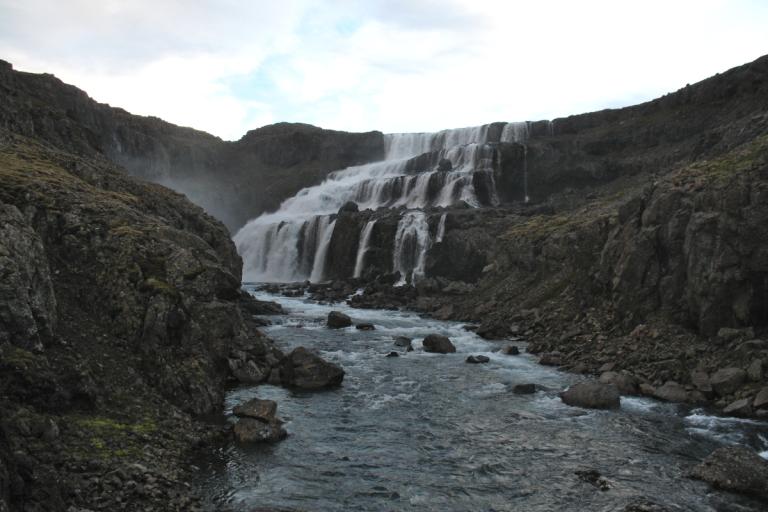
x=394 y=66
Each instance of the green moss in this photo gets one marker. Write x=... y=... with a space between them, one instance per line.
x=158 y=286
x=108 y=438
x=127 y=231
x=741 y=160
x=20 y=358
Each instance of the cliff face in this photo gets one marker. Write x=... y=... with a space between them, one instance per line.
x=119 y=315
x=234 y=181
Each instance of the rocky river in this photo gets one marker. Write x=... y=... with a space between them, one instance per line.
x=430 y=432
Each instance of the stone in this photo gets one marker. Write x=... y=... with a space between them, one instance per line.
x=524 y=389
x=247 y=371
x=761 y=400
x=728 y=380
x=304 y=370
x=755 y=370
x=477 y=359
x=626 y=383
x=438 y=344
x=249 y=430
x=643 y=505
x=365 y=327
x=402 y=341
x=671 y=391
x=592 y=395
x=735 y=468
x=444 y=165
x=551 y=359
x=647 y=389
x=741 y=407
x=349 y=207
x=393 y=354
x=730 y=334
x=338 y=320
x=255 y=408
x=700 y=380
x=511 y=350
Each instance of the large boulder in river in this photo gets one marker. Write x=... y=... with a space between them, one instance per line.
x=338 y=320
x=438 y=344
x=304 y=370
x=263 y=410
x=592 y=395
x=737 y=469
x=250 y=430
x=626 y=383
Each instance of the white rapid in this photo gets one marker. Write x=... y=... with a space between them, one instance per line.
x=291 y=243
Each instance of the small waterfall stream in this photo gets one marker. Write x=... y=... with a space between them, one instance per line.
x=291 y=244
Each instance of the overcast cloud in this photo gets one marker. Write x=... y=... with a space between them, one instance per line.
x=403 y=65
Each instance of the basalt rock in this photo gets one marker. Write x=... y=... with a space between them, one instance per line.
x=737 y=469
x=438 y=344
x=477 y=359
x=304 y=370
x=592 y=395
x=338 y=320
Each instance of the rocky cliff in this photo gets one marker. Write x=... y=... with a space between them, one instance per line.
x=120 y=319
x=234 y=181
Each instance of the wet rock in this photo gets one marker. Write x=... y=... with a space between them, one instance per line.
x=444 y=165
x=247 y=371
x=263 y=410
x=700 y=380
x=761 y=400
x=402 y=341
x=647 y=389
x=365 y=327
x=524 y=389
x=671 y=391
x=643 y=505
x=477 y=359
x=349 y=207
x=249 y=430
x=626 y=383
x=438 y=344
x=735 y=468
x=728 y=380
x=741 y=407
x=274 y=377
x=338 y=320
x=304 y=370
x=511 y=350
x=551 y=359
x=593 y=477
x=492 y=331
x=259 y=307
x=730 y=334
x=592 y=395
x=393 y=354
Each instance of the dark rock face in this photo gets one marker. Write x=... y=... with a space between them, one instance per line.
x=120 y=309
x=592 y=395
x=524 y=389
x=305 y=370
x=737 y=469
x=338 y=320
x=478 y=359
x=438 y=344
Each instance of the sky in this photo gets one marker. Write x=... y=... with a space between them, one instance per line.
x=397 y=66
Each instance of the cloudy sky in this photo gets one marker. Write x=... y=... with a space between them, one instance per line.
x=402 y=65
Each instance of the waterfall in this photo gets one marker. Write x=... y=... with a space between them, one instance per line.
x=362 y=249
x=411 y=245
x=520 y=132
x=441 y=229
x=291 y=243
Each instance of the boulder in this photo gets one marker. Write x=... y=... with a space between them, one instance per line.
x=728 y=380
x=700 y=380
x=247 y=371
x=477 y=359
x=304 y=370
x=438 y=344
x=511 y=350
x=393 y=354
x=643 y=505
x=736 y=469
x=263 y=410
x=551 y=359
x=365 y=327
x=404 y=342
x=626 y=383
x=524 y=389
x=338 y=320
x=761 y=400
x=592 y=395
x=249 y=430
x=741 y=407
x=671 y=391
x=755 y=370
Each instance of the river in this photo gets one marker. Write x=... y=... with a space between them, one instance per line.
x=429 y=432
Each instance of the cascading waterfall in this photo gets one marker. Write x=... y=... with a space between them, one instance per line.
x=362 y=250
x=411 y=244
x=291 y=244
x=441 y=229
x=520 y=132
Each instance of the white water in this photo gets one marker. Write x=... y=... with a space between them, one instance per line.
x=441 y=229
x=411 y=244
x=365 y=240
x=291 y=243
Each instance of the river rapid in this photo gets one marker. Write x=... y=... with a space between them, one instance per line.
x=429 y=432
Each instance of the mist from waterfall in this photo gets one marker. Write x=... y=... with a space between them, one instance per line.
x=291 y=244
